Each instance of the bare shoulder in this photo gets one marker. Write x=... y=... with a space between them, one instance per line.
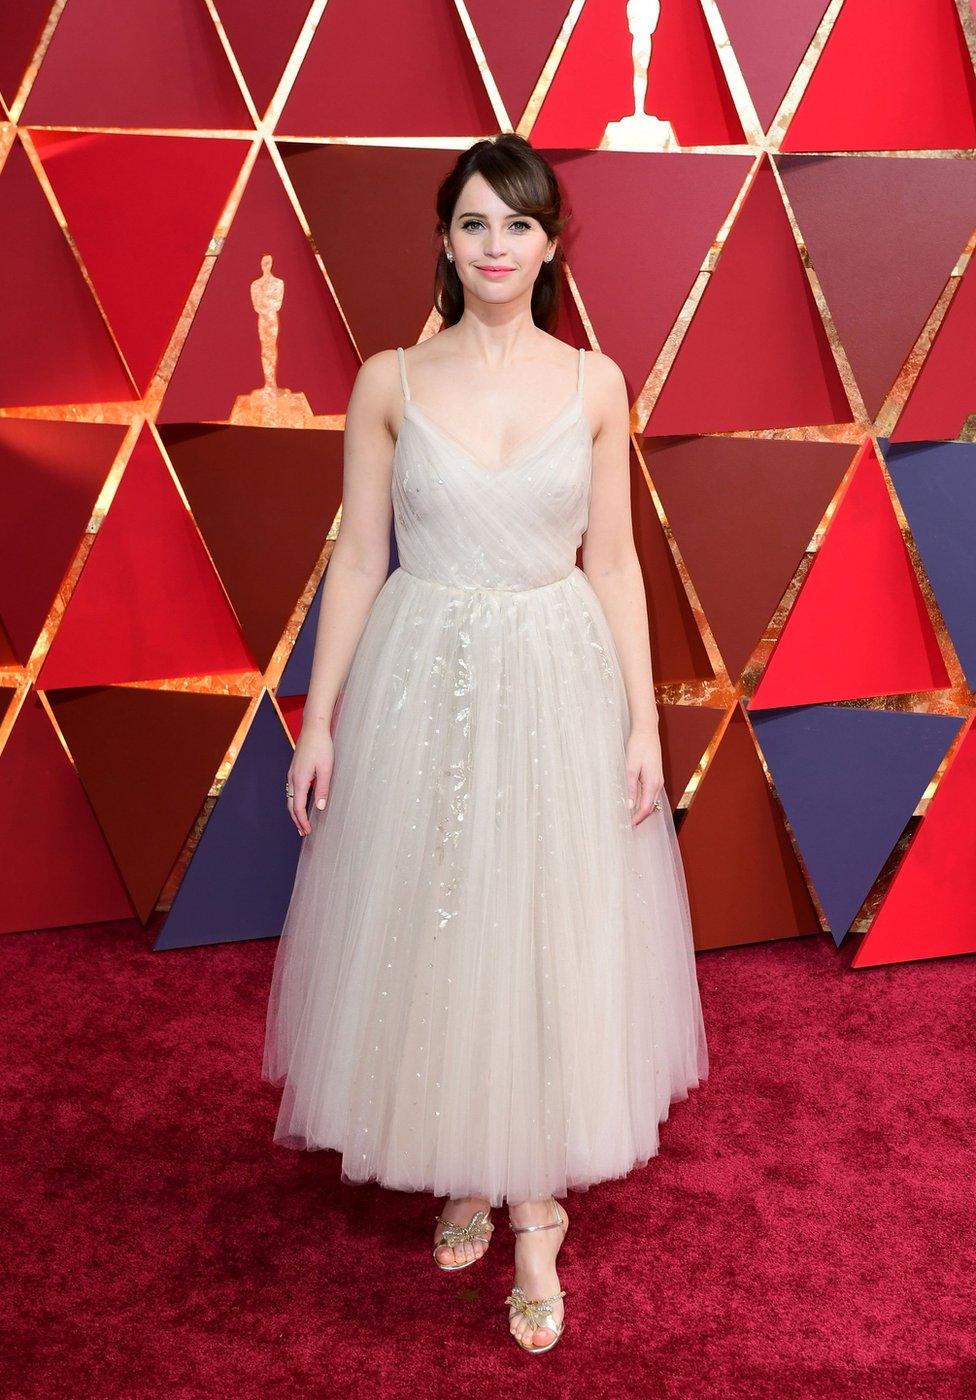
x=605 y=392
x=376 y=391
x=604 y=373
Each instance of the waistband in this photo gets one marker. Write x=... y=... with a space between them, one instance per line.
x=480 y=588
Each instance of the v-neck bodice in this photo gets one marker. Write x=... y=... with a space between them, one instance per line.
x=514 y=526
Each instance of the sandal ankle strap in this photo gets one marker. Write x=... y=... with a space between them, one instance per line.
x=552 y=1225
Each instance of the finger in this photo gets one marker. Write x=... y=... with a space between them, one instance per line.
x=294 y=815
x=651 y=795
x=321 y=790
x=644 y=806
x=631 y=788
x=297 y=802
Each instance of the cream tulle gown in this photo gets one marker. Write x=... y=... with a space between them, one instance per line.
x=486 y=980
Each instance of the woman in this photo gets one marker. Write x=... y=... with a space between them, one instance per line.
x=486 y=985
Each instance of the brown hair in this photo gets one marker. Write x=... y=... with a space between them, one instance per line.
x=526 y=182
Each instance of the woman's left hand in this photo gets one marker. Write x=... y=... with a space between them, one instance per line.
x=645 y=773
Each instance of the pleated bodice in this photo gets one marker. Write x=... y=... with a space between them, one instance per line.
x=515 y=526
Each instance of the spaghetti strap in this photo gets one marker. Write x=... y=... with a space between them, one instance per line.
x=579 y=381
x=403 y=372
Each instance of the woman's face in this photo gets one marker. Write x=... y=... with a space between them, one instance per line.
x=486 y=234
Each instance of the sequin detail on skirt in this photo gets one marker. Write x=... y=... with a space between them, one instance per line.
x=486 y=979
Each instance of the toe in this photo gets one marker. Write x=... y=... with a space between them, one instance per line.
x=542 y=1337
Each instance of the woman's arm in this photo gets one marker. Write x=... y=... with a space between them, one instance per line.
x=612 y=566
x=357 y=570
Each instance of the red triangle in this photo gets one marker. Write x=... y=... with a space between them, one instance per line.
x=221 y=356
x=51 y=473
x=142 y=210
x=745 y=884
x=770 y=42
x=665 y=212
x=21 y=28
x=376 y=69
x=742 y=511
x=890 y=78
x=159 y=63
x=517 y=53
x=929 y=909
x=594 y=83
x=944 y=394
x=147 y=757
x=756 y=354
x=262 y=38
x=59 y=869
x=57 y=348
x=858 y=626
x=871 y=225
x=148 y=604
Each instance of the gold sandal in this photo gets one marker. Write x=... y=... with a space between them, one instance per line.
x=479 y=1227
x=539 y=1310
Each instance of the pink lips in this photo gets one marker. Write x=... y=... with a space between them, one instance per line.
x=495 y=271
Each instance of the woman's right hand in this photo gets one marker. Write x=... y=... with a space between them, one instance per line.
x=311 y=764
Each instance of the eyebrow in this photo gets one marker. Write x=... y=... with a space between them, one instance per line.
x=477 y=214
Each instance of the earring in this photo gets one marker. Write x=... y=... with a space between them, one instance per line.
x=450 y=256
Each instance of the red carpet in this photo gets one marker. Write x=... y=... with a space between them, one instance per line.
x=806 y=1231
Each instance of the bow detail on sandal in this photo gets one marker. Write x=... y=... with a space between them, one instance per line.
x=539 y=1313
x=479 y=1227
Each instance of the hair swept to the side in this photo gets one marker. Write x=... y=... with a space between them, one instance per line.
x=527 y=183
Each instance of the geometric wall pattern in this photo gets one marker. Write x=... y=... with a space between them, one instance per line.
x=777 y=249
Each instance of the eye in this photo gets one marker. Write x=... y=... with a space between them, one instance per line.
x=468 y=224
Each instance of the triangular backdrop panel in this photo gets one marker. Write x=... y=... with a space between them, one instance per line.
x=849 y=780
x=239 y=881
x=742 y=512
x=936 y=484
x=859 y=626
x=141 y=210
x=943 y=396
x=340 y=187
x=221 y=357
x=665 y=212
x=21 y=28
x=892 y=77
x=686 y=732
x=929 y=910
x=756 y=354
x=296 y=676
x=59 y=870
x=148 y=604
x=745 y=884
x=769 y=40
x=264 y=500
x=57 y=348
x=516 y=53
x=415 y=75
x=158 y=63
x=147 y=759
x=593 y=86
x=51 y=474
x=883 y=236
x=292 y=709
x=677 y=650
x=262 y=38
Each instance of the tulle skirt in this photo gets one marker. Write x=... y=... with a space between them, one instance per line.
x=485 y=983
